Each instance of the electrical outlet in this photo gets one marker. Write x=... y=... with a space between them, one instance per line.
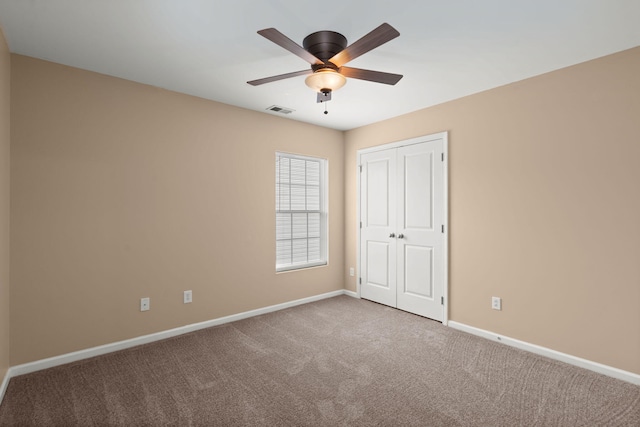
x=145 y=304
x=352 y=271
x=187 y=297
x=496 y=303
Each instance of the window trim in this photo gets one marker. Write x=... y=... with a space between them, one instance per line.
x=324 y=214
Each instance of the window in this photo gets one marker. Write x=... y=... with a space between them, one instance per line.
x=301 y=212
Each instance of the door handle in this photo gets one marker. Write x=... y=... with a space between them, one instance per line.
x=400 y=236
x=392 y=235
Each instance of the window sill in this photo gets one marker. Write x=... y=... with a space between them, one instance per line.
x=300 y=266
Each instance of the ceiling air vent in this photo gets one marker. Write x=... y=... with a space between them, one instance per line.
x=281 y=110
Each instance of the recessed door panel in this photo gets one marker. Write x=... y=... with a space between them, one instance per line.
x=418 y=195
x=378 y=264
x=378 y=193
x=418 y=267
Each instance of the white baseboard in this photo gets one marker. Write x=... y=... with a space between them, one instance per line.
x=3 y=386
x=351 y=294
x=552 y=354
x=145 y=339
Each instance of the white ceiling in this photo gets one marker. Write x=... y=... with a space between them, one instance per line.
x=447 y=49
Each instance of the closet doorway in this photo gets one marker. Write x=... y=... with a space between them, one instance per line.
x=403 y=225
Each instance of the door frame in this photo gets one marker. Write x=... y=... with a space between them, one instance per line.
x=445 y=147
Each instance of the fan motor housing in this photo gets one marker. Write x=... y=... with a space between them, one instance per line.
x=324 y=45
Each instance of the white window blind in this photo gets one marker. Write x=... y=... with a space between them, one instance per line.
x=301 y=216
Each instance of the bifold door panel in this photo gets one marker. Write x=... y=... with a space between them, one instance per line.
x=378 y=187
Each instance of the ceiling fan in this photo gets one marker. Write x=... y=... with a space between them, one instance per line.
x=327 y=52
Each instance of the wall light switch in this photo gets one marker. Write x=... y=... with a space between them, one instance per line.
x=188 y=297
x=145 y=304
x=352 y=271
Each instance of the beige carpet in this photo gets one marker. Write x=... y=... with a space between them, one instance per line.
x=335 y=362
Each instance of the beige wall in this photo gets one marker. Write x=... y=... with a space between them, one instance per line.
x=121 y=191
x=5 y=85
x=544 y=181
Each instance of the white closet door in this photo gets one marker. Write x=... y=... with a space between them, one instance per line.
x=420 y=238
x=402 y=262
x=378 y=215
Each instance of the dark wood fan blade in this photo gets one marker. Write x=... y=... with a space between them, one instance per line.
x=372 y=76
x=283 y=41
x=279 y=77
x=375 y=38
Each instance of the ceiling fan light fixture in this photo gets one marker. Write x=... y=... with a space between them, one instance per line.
x=325 y=79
